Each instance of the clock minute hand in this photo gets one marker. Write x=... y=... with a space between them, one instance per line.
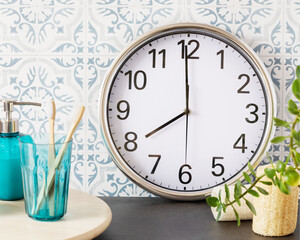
x=166 y=124
x=187 y=93
x=186 y=125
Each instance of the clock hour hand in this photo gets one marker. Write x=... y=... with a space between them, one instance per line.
x=184 y=113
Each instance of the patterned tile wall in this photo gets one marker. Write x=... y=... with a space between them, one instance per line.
x=61 y=49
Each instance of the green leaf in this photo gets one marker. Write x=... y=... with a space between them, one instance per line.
x=297 y=157
x=251 y=169
x=212 y=201
x=220 y=200
x=287 y=158
x=247 y=177
x=293 y=109
x=280 y=123
x=227 y=192
x=263 y=191
x=251 y=207
x=219 y=207
x=237 y=192
x=270 y=172
x=266 y=183
x=292 y=177
x=276 y=181
x=237 y=217
x=296 y=135
x=290 y=168
x=253 y=192
x=284 y=188
x=219 y=215
x=239 y=187
x=237 y=199
x=298 y=72
x=278 y=139
x=296 y=88
x=280 y=167
x=269 y=158
x=224 y=208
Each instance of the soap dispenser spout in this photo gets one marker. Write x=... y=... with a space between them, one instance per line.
x=8 y=124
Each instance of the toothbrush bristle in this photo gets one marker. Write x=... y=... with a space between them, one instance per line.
x=49 y=108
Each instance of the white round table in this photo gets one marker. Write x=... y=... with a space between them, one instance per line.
x=87 y=217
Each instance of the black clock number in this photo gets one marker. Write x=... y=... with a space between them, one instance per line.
x=188 y=175
x=253 y=113
x=190 y=55
x=123 y=107
x=219 y=165
x=182 y=42
x=241 y=89
x=161 y=52
x=241 y=146
x=221 y=52
x=139 y=79
x=156 y=163
x=130 y=145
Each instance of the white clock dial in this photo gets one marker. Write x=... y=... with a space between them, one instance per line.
x=185 y=110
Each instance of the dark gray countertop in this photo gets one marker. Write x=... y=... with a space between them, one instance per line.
x=161 y=219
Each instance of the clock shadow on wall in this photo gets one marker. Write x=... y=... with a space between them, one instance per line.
x=185 y=108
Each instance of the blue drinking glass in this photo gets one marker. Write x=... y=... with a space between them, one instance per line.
x=45 y=179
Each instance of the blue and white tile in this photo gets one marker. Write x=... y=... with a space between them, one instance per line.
x=122 y=21
x=78 y=176
x=274 y=66
x=11 y=54
x=97 y=160
x=262 y=23
x=205 y=11
x=272 y=43
x=250 y=20
x=111 y=181
x=289 y=77
x=292 y=28
x=39 y=79
x=38 y=24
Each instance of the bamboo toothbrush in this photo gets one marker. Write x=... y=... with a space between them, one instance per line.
x=51 y=174
x=51 y=110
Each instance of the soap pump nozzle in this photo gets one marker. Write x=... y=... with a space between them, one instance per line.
x=8 y=124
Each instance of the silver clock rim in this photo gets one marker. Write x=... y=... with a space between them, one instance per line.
x=118 y=160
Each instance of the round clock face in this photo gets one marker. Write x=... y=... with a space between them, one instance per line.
x=184 y=109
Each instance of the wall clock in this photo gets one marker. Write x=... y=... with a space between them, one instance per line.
x=184 y=108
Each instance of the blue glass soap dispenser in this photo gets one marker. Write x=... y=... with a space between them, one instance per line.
x=11 y=187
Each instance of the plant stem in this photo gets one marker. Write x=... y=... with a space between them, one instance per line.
x=251 y=186
x=292 y=143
